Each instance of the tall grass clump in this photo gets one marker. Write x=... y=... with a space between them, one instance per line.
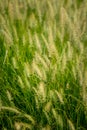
x=43 y=65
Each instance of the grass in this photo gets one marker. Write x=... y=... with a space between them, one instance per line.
x=43 y=65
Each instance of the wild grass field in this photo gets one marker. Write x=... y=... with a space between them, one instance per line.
x=43 y=64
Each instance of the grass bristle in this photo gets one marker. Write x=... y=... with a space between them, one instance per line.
x=43 y=65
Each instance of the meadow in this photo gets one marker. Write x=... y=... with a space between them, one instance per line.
x=43 y=65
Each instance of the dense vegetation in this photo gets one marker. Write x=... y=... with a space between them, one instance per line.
x=43 y=65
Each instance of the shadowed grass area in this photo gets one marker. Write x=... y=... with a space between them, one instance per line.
x=43 y=65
